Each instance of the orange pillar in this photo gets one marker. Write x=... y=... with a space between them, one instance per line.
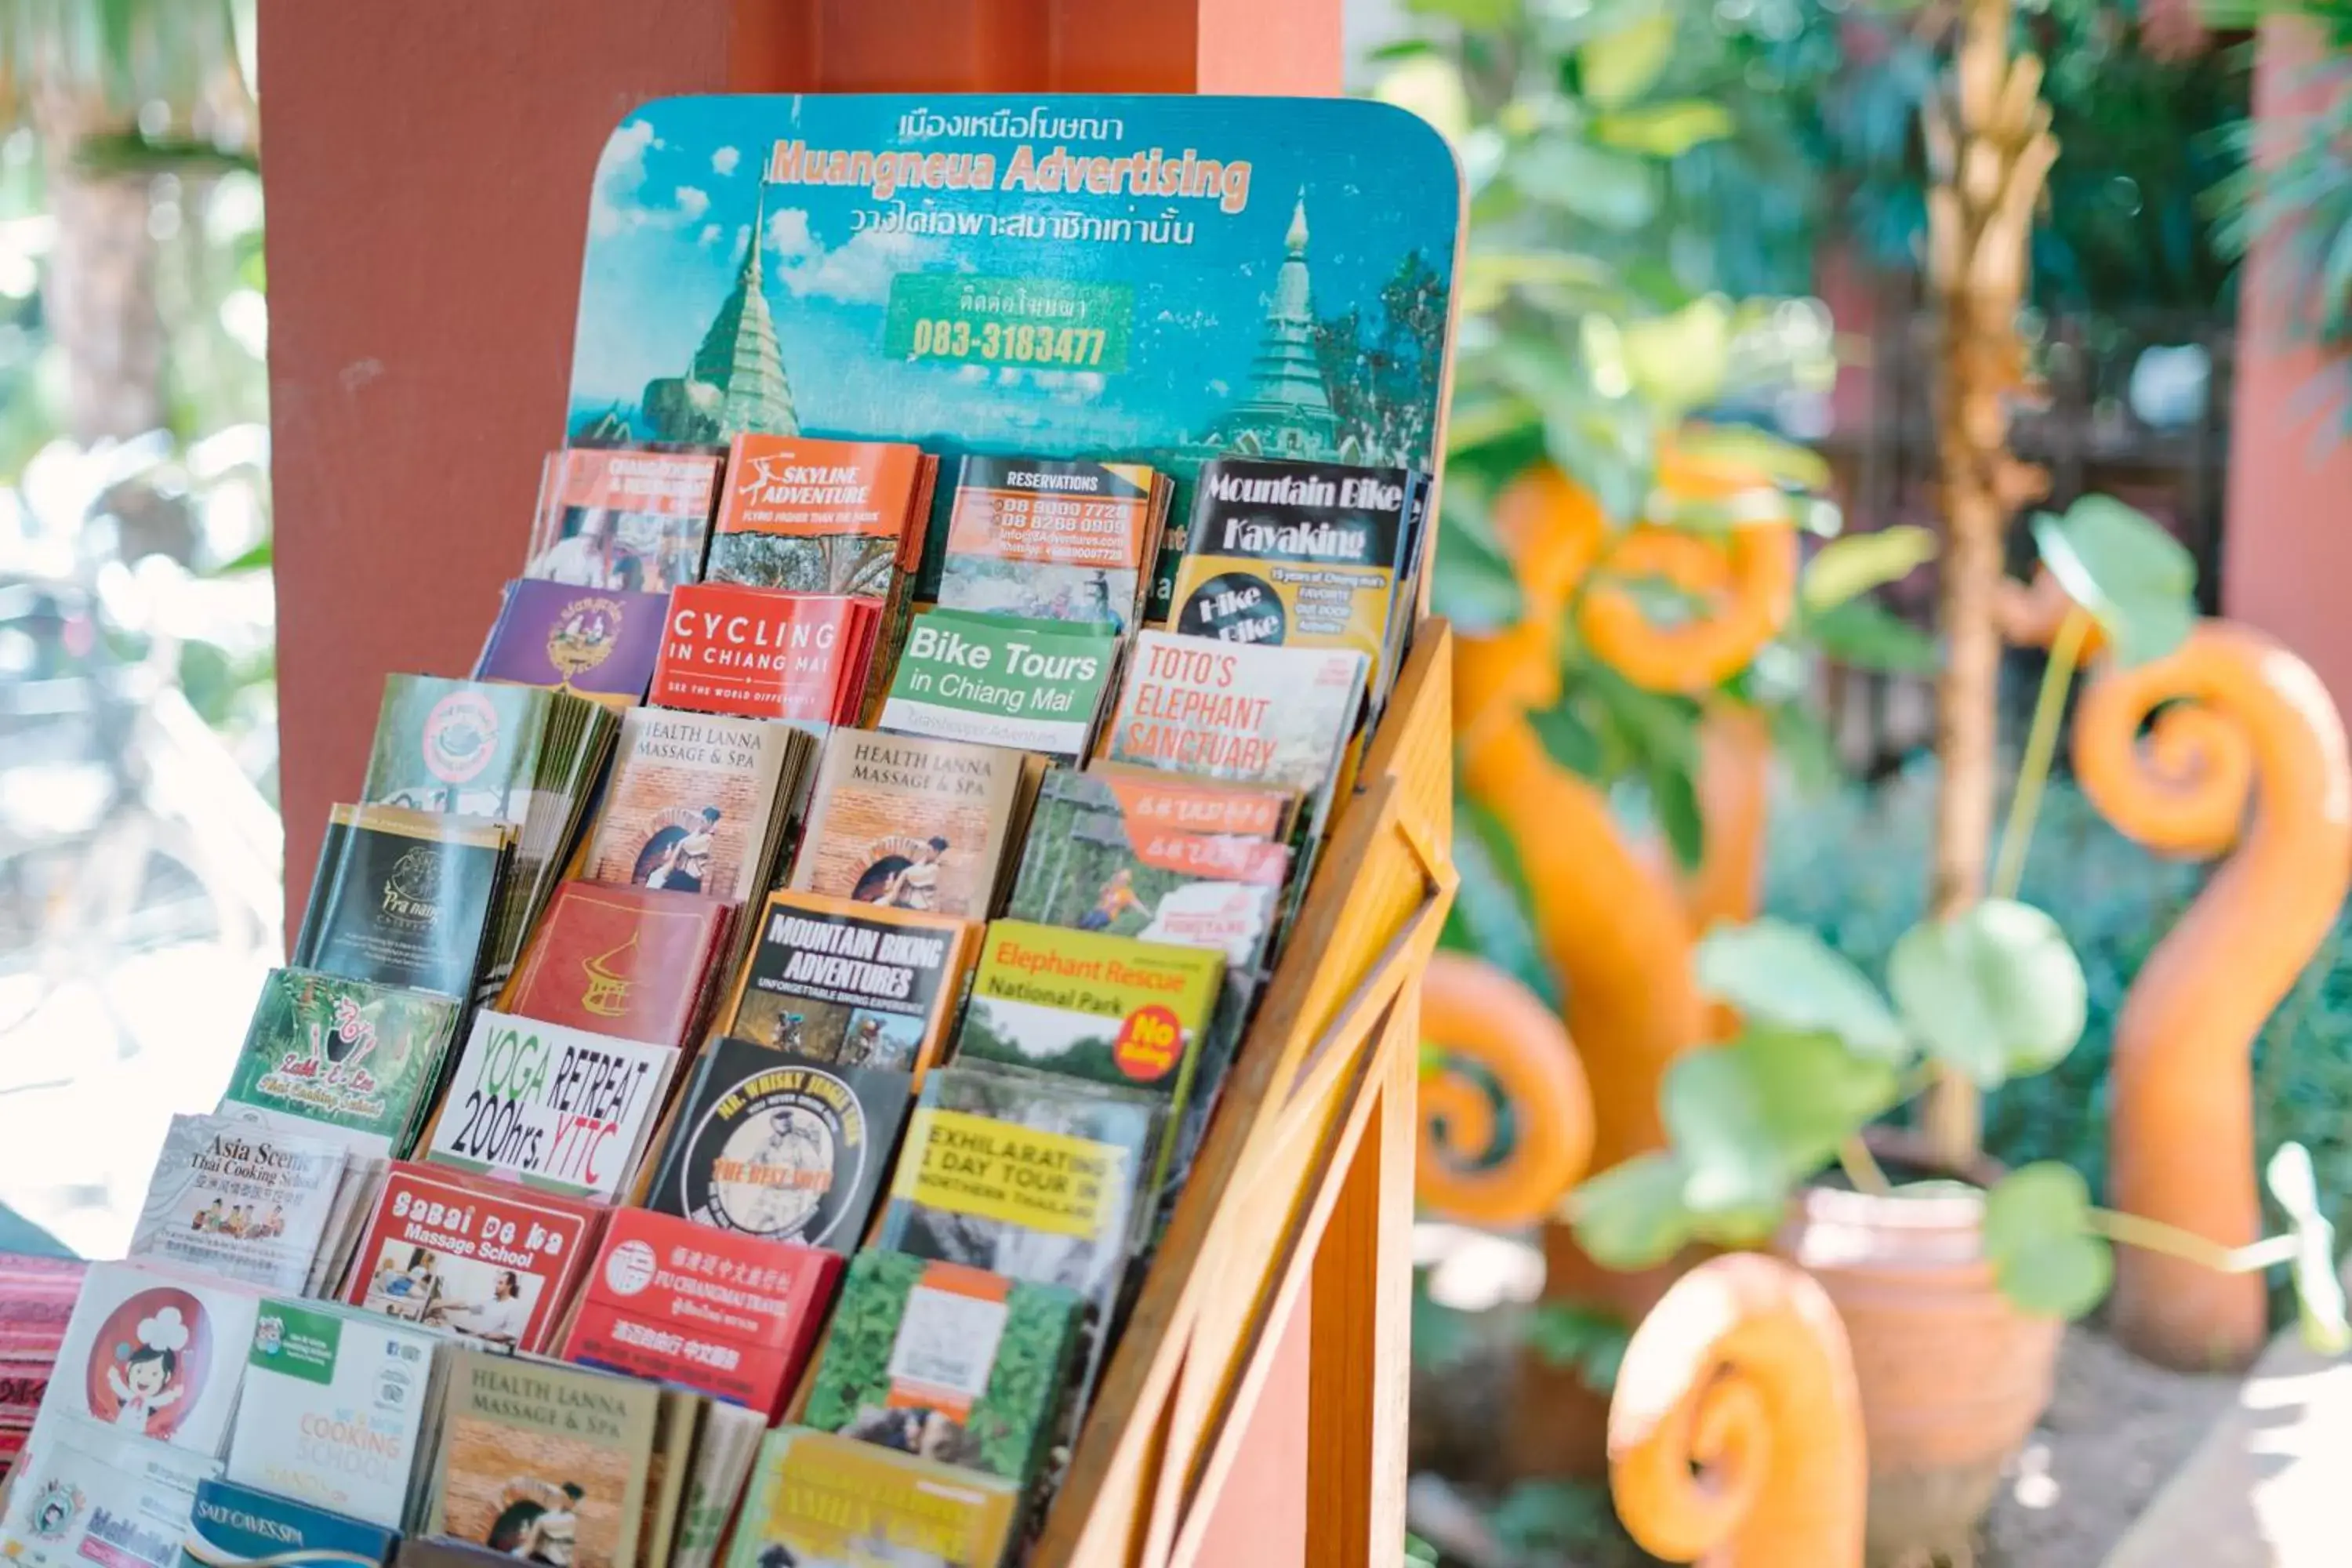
x=2287 y=548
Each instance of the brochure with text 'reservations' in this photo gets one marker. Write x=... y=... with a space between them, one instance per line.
x=1055 y=539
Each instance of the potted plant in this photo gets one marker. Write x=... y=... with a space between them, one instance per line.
x=1954 y=1279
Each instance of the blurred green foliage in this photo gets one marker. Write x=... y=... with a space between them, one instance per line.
x=2141 y=104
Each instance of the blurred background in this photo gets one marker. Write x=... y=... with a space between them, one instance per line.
x=138 y=844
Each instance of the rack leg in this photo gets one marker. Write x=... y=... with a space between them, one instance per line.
x=1361 y=1345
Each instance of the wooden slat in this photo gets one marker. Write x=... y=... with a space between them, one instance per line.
x=1359 y=1376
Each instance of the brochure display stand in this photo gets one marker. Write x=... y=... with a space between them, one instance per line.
x=1166 y=280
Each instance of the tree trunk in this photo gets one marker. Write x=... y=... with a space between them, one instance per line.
x=100 y=299
x=1989 y=151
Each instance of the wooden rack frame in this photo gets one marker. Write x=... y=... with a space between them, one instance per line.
x=1301 y=1198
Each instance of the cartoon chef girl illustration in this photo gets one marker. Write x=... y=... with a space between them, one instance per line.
x=145 y=1377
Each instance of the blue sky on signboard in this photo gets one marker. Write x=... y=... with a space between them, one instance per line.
x=677 y=188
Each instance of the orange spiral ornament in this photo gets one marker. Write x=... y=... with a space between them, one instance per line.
x=1472 y=1012
x=1735 y=1433
x=2228 y=741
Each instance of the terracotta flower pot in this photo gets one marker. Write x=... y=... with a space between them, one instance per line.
x=1952 y=1377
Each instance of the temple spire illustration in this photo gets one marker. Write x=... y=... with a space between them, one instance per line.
x=737 y=381
x=1288 y=411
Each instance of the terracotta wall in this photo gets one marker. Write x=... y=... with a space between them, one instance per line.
x=2287 y=547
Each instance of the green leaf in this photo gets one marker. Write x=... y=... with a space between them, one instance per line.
x=1554 y=1520
x=1666 y=129
x=1632 y=1216
x=1847 y=568
x=1779 y=973
x=2318 y=1288
x=1568 y=741
x=1620 y=65
x=1673 y=797
x=1428 y=85
x=2037 y=1239
x=1475 y=15
x=1753 y=1119
x=1653 y=726
x=260 y=558
x=1616 y=190
x=1803 y=741
x=1556 y=275
x=1775 y=459
x=1471 y=583
x=1866 y=635
x=1492 y=904
x=1996 y=992
x=1677 y=363
x=1575 y=1336
x=2137 y=581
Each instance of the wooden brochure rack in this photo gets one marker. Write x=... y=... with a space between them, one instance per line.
x=1172 y=281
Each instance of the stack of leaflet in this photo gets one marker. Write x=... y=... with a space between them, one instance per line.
x=1055 y=539
x=244 y=1201
x=761 y=654
x=701 y=803
x=345 y=1062
x=1004 y=680
x=564 y=1464
x=806 y=516
x=135 y=1418
x=340 y=1408
x=488 y=1260
x=519 y=754
x=407 y=897
x=548 y=1106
